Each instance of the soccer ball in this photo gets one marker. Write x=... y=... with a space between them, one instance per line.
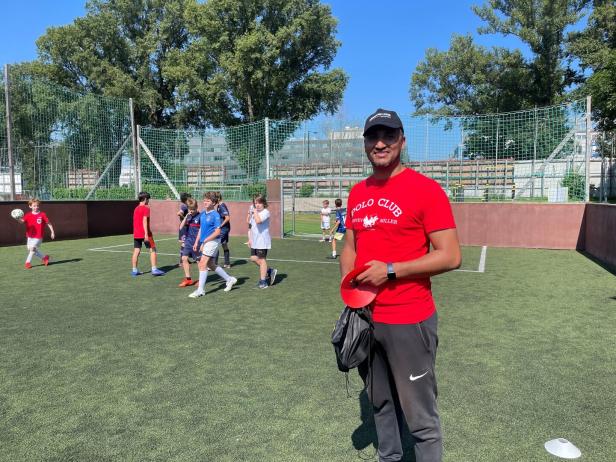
x=17 y=213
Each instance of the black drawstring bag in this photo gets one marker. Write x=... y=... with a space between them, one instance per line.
x=352 y=337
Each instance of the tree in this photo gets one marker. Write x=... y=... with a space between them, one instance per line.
x=469 y=79
x=266 y=58
x=120 y=48
x=595 y=48
x=541 y=25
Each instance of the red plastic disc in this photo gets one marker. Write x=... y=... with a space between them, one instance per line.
x=357 y=295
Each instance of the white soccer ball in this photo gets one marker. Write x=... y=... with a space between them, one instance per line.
x=17 y=213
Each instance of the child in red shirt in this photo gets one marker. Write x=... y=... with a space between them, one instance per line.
x=142 y=234
x=35 y=222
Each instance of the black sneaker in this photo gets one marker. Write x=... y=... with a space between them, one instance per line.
x=332 y=257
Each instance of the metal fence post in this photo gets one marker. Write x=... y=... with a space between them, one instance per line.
x=9 y=139
x=138 y=159
x=588 y=146
x=267 y=150
x=133 y=132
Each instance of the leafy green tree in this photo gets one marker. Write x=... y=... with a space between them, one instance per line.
x=266 y=58
x=120 y=48
x=541 y=24
x=595 y=48
x=469 y=79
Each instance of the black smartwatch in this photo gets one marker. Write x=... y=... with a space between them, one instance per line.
x=391 y=274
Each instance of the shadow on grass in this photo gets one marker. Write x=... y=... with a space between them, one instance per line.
x=238 y=262
x=365 y=435
x=606 y=266
x=60 y=262
x=221 y=283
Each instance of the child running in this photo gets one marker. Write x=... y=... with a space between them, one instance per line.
x=325 y=213
x=339 y=229
x=260 y=241
x=189 y=230
x=225 y=229
x=35 y=222
x=142 y=234
x=207 y=241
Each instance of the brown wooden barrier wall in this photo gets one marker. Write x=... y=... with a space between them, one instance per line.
x=541 y=226
x=589 y=227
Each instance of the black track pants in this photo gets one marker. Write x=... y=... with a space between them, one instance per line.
x=402 y=382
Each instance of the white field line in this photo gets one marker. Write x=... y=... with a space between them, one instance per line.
x=481 y=269
x=482 y=259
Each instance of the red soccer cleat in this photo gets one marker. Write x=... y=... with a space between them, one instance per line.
x=46 y=260
x=186 y=283
x=28 y=265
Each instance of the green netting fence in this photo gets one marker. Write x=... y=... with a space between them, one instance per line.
x=63 y=141
x=68 y=145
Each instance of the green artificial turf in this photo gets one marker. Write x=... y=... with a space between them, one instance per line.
x=99 y=366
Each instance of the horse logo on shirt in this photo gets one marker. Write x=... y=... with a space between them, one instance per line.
x=369 y=222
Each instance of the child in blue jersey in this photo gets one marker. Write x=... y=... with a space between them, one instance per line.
x=207 y=242
x=189 y=230
x=338 y=230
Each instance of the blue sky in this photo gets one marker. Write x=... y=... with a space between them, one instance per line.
x=381 y=42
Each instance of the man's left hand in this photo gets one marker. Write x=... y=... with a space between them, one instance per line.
x=376 y=275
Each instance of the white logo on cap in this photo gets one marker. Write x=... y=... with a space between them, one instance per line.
x=380 y=114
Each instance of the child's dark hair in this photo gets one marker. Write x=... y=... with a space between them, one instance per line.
x=338 y=202
x=184 y=196
x=191 y=204
x=211 y=195
x=143 y=196
x=260 y=198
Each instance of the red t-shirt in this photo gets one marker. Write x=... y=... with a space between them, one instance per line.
x=391 y=221
x=140 y=212
x=35 y=224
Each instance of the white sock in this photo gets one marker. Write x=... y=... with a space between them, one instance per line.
x=30 y=255
x=202 y=279
x=136 y=270
x=333 y=254
x=222 y=273
x=154 y=268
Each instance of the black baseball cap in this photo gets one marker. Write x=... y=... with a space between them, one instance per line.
x=384 y=118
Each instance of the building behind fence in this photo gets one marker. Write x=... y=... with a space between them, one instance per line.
x=63 y=144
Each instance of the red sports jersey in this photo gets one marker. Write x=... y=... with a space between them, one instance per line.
x=391 y=221
x=140 y=212
x=35 y=224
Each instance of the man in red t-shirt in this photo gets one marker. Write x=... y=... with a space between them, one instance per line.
x=35 y=222
x=392 y=219
x=142 y=234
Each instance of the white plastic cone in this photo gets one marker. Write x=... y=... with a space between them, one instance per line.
x=560 y=447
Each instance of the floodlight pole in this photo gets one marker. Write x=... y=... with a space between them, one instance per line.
x=9 y=140
x=588 y=146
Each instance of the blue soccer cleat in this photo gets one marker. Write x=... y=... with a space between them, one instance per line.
x=135 y=273
x=157 y=272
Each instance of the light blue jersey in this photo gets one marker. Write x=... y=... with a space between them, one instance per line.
x=209 y=222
